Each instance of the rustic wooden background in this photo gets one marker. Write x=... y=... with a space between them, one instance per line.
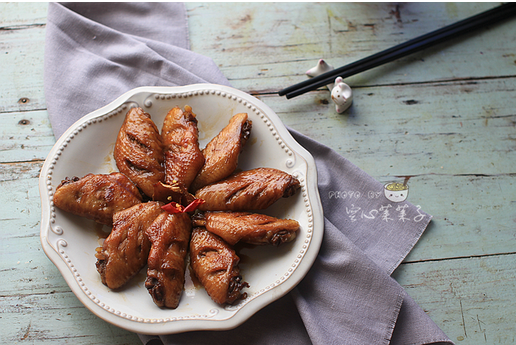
x=445 y=118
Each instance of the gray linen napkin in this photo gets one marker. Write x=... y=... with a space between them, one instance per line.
x=95 y=52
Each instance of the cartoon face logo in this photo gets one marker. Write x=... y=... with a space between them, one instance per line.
x=396 y=192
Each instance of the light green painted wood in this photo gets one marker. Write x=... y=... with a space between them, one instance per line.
x=266 y=49
x=56 y=318
x=414 y=130
x=25 y=136
x=19 y=15
x=473 y=215
x=22 y=48
x=444 y=117
x=472 y=299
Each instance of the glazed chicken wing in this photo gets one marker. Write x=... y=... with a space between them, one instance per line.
x=254 y=189
x=252 y=228
x=183 y=158
x=125 y=251
x=97 y=197
x=221 y=153
x=215 y=264
x=139 y=151
x=169 y=235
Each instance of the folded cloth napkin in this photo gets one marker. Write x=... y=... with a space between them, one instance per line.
x=96 y=51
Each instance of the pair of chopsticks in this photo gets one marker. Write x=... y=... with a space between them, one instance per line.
x=417 y=44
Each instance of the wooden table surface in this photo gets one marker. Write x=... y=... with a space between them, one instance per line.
x=445 y=118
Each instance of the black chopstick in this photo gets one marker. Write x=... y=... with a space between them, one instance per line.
x=417 y=44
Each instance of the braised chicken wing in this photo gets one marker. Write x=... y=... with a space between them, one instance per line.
x=125 y=251
x=97 y=196
x=222 y=152
x=254 y=189
x=215 y=265
x=183 y=158
x=251 y=228
x=169 y=235
x=139 y=151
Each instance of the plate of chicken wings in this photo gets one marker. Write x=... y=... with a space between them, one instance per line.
x=175 y=209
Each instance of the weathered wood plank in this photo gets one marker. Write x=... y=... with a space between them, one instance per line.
x=22 y=41
x=473 y=215
x=16 y=15
x=24 y=264
x=276 y=54
x=421 y=129
x=425 y=127
x=471 y=299
x=264 y=48
x=22 y=84
x=17 y=171
x=57 y=317
x=25 y=136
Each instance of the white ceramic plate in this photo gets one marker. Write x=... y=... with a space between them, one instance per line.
x=87 y=147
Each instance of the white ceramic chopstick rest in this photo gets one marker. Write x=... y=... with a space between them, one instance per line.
x=341 y=95
x=321 y=67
